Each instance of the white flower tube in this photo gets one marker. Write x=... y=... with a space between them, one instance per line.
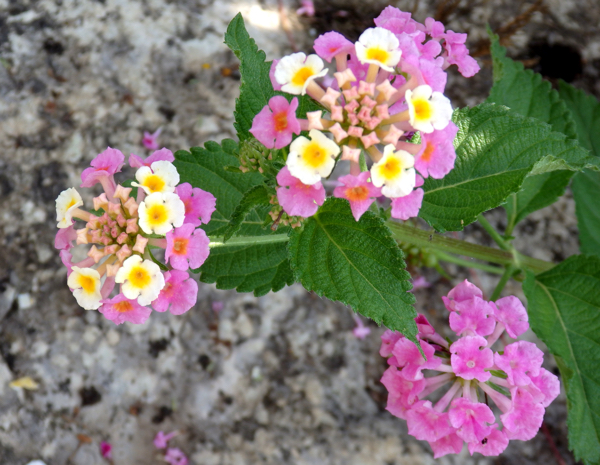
x=428 y=110
x=311 y=160
x=159 y=213
x=378 y=46
x=161 y=176
x=140 y=279
x=394 y=172
x=86 y=286
x=295 y=72
x=66 y=203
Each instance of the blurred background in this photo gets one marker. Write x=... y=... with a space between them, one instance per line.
x=280 y=379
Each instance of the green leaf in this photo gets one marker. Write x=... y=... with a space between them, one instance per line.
x=496 y=149
x=257 y=195
x=529 y=94
x=256 y=268
x=161 y=265
x=586 y=185
x=357 y=263
x=255 y=87
x=564 y=312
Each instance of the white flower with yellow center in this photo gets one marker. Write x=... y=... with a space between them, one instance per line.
x=85 y=283
x=311 y=160
x=159 y=213
x=140 y=279
x=68 y=201
x=428 y=110
x=394 y=172
x=295 y=72
x=378 y=46
x=160 y=176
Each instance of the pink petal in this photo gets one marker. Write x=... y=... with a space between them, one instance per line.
x=330 y=44
x=408 y=206
x=300 y=199
x=511 y=312
x=179 y=293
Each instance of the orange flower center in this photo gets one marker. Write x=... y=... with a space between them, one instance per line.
x=356 y=194
x=426 y=155
x=280 y=120
x=123 y=307
x=180 y=246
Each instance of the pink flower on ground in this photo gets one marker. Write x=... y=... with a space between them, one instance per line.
x=408 y=206
x=407 y=355
x=103 y=168
x=308 y=8
x=464 y=291
x=300 y=199
x=494 y=444
x=360 y=331
x=359 y=191
x=65 y=238
x=160 y=155
x=276 y=122
x=525 y=416
x=332 y=43
x=175 y=456
x=187 y=247
x=150 y=141
x=520 y=359
x=427 y=424
x=161 y=440
x=199 y=204
x=450 y=444
x=468 y=361
x=420 y=282
x=403 y=392
x=437 y=155
x=217 y=306
x=472 y=317
x=512 y=314
x=106 y=450
x=179 y=293
x=470 y=419
x=120 y=309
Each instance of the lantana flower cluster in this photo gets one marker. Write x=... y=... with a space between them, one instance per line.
x=387 y=86
x=122 y=230
x=511 y=377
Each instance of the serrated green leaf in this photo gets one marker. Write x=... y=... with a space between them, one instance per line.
x=496 y=149
x=247 y=268
x=564 y=312
x=257 y=195
x=586 y=185
x=357 y=263
x=255 y=86
x=529 y=94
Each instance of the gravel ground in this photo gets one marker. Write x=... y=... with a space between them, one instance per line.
x=276 y=379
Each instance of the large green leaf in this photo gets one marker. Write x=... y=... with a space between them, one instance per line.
x=255 y=88
x=529 y=94
x=586 y=185
x=564 y=312
x=355 y=262
x=496 y=149
x=257 y=268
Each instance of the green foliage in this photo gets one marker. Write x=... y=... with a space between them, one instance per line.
x=257 y=268
x=357 y=263
x=586 y=185
x=564 y=311
x=255 y=88
x=496 y=149
x=257 y=195
x=529 y=94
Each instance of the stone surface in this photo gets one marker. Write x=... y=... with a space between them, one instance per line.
x=277 y=379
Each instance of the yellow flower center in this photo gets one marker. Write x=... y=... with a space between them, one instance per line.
x=302 y=75
x=314 y=155
x=423 y=109
x=123 y=307
x=378 y=54
x=157 y=215
x=154 y=183
x=87 y=283
x=139 y=277
x=391 y=168
x=71 y=203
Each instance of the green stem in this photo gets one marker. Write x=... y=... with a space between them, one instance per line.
x=429 y=240
x=508 y=272
x=247 y=240
x=511 y=219
x=467 y=263
x=498 y=239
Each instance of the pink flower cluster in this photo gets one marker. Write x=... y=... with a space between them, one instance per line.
x=121 y=243
x=173 y=455
x=511 y=377
x=386 y=87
